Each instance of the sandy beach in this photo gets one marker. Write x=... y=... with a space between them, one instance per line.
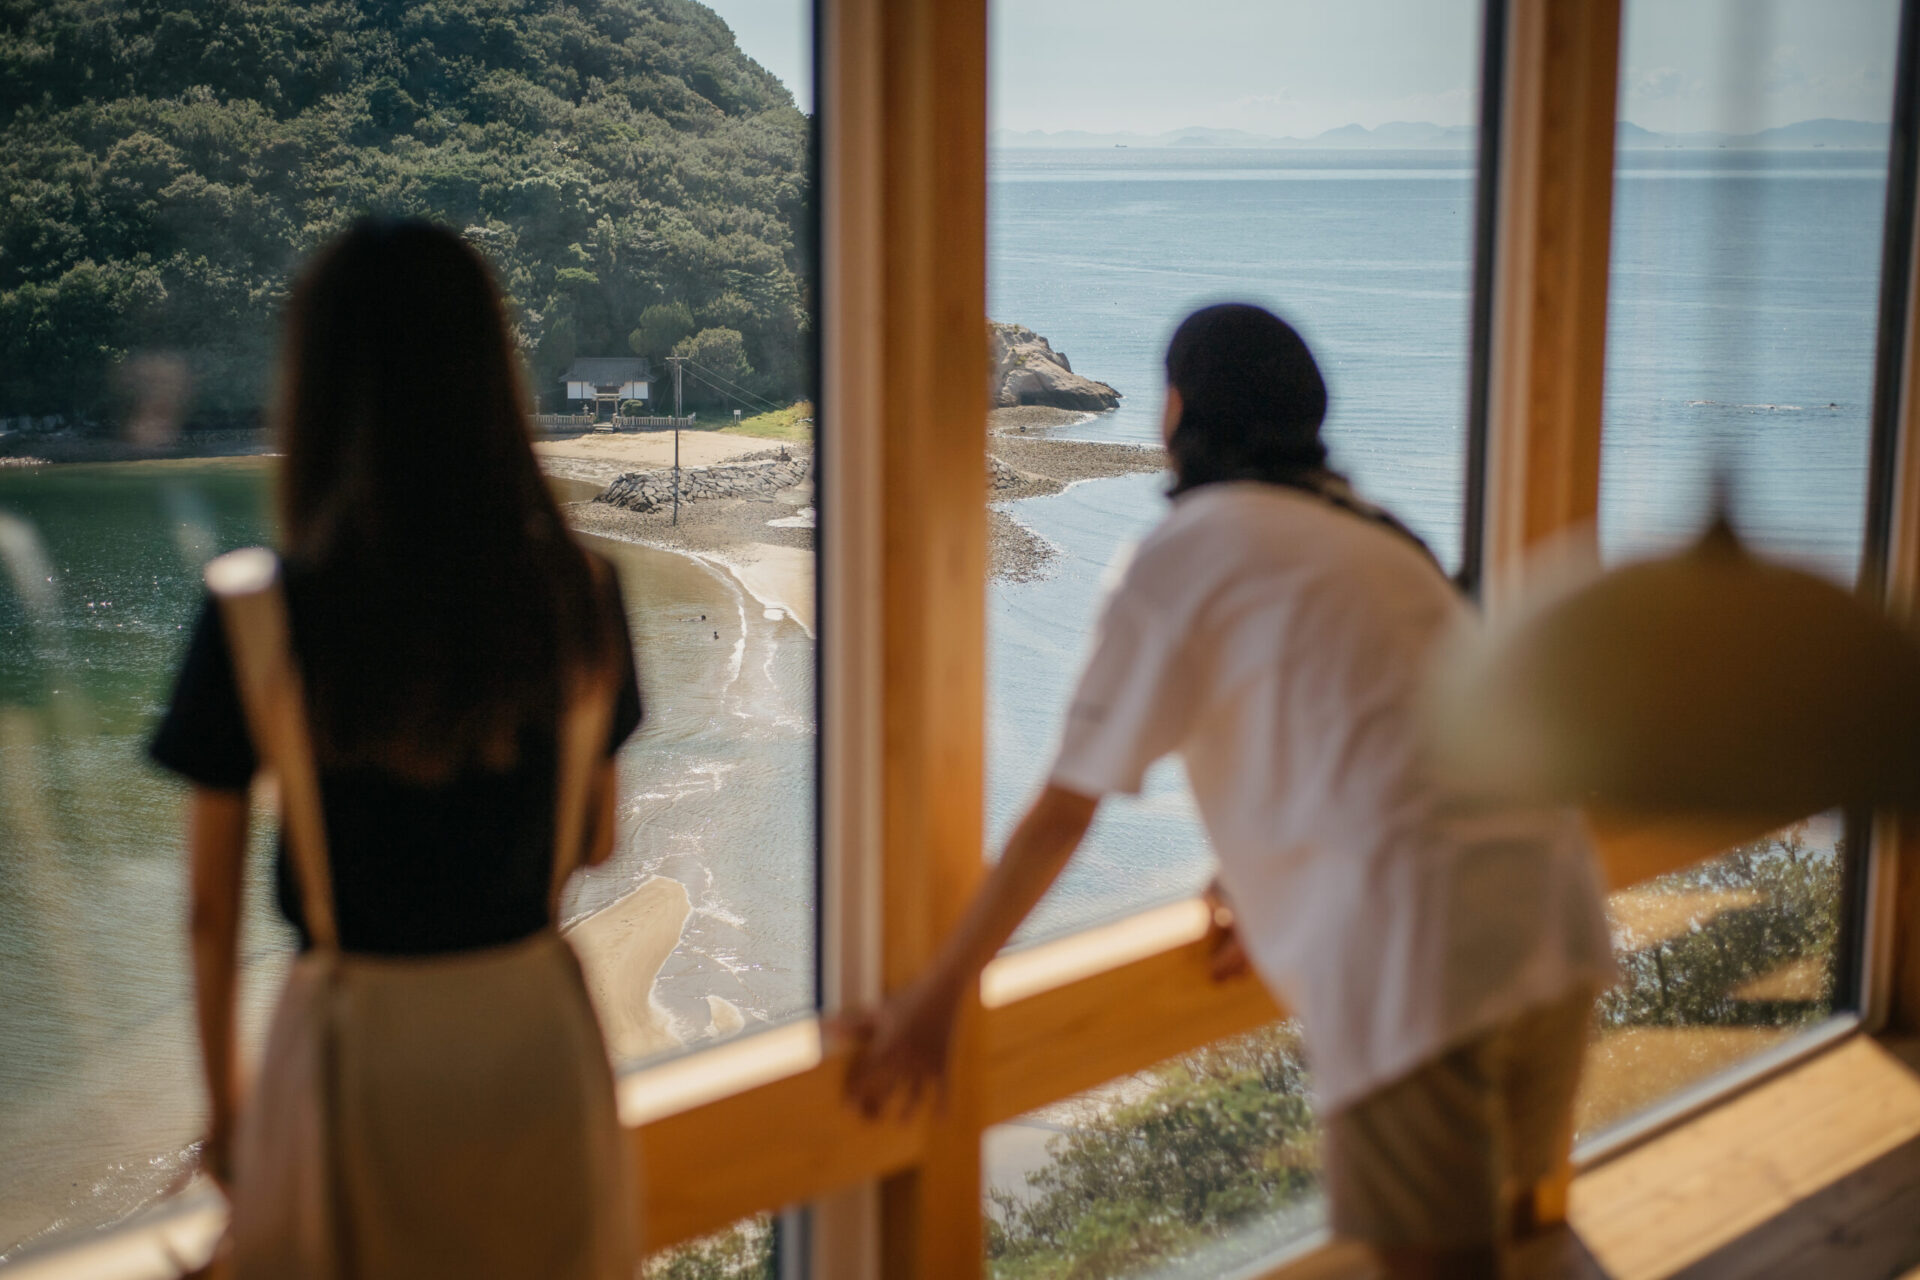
x=621 y=949
x=602 y=455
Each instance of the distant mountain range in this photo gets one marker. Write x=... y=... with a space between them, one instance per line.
x=1405 y=135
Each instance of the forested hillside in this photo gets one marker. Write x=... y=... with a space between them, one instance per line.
x=165 y=164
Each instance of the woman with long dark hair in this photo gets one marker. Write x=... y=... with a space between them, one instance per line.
x=438 y=674
x=1274 y=630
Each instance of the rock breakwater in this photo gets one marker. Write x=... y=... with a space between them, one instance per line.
x=646 y=491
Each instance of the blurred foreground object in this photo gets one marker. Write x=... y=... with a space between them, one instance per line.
x=1706 y=682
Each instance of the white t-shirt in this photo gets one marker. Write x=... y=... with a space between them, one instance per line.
x=1279 y=644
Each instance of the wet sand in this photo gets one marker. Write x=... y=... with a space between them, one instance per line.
x=621 y=949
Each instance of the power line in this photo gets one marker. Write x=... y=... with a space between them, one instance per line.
x=746 y=398
x=762 y=407
x=749 y=396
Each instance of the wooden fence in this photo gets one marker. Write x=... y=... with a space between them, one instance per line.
x=651 y=424
x=549 y=422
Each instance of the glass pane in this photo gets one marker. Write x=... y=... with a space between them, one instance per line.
x=1748 y=208
x=1748 y=194
x=641 y=184
x=1718 y=963
x=1316 y=159
x=1194 y=1168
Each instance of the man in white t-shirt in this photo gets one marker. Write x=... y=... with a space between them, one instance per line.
x=1275 y=631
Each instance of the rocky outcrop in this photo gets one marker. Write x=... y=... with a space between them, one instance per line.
x=1027 y=370
x=652 y=490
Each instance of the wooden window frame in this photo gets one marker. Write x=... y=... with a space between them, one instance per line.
x=757 y=1124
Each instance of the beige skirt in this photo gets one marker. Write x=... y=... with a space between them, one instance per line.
x=440 y=1116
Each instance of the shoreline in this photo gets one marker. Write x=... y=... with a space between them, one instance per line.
x=68 y=448
x=1026 y=466
x=772 y=564
x=769 y=551
x=622 y=948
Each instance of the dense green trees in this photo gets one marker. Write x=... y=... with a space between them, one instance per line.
x=164 y=166
x=661 y=326
x=718 y=376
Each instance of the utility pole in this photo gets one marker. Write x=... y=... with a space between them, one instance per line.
x=676 y=362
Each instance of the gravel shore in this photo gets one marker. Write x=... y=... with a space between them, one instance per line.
x=1023 y=466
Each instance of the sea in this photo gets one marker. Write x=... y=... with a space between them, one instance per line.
x=1740 y=345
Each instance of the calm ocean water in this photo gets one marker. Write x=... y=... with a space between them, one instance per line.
x=1742 y=336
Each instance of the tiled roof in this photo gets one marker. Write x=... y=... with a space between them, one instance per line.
x=607 y=370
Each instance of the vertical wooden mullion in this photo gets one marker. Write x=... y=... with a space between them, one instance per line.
x=1894 y=886
x=933 y=371
x=842 y=1240
x=1547 y=353
x=1897 y=840
x=1550 y=278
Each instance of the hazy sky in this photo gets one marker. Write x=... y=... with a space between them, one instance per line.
x=777 y=34
x=1303 y=66
x=1741 y=65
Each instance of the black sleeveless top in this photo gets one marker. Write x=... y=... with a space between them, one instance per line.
x=417 y=870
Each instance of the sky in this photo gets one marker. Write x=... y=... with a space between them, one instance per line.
x=1300 y=67
x=777 y=34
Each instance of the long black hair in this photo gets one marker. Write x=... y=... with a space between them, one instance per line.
x=458 y=607
x=1252 y=402
x=1252 y=399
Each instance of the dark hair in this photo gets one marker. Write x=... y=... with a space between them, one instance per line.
x=458 y=606
x=1251 y=399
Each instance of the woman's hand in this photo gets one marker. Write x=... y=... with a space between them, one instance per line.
x=902 y=1046
x=1226 y=956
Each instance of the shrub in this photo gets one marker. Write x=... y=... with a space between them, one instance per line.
x=1220 y=1136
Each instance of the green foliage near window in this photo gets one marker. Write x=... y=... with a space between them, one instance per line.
x=1787 y=898
x=741 y=1252
x=165 y=166
x=1205 y=1144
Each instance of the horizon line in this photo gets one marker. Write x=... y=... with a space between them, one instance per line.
x=1439 y=129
